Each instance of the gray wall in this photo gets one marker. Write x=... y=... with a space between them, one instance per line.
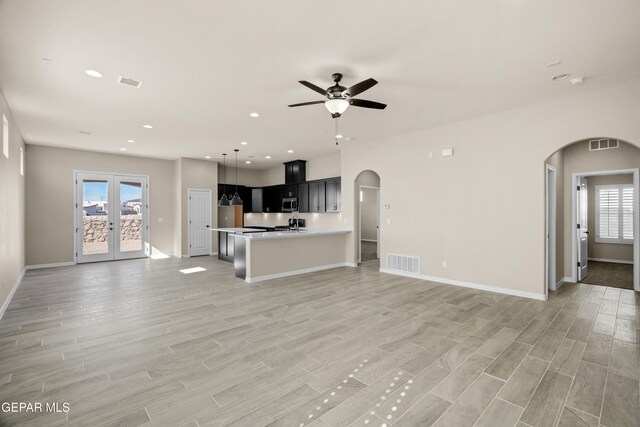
x=12 y=225
x=438 y=206
x=50 y=190
x=369 y=215
x=578 y=159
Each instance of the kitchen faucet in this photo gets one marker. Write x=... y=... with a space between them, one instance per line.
x=297 y=228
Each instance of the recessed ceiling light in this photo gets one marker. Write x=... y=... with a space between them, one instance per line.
x=147 y=126
x=255 y=115
x=338 y=136
x=123 y=149
x=289 y=151
x=577 y=80
x=248 y=162
x=93 y=73
x=207 y=157
x=267 y=157
x=131 y=140
x=560 y=76
x=244 y=143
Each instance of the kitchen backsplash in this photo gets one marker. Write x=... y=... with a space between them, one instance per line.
x=318 y=220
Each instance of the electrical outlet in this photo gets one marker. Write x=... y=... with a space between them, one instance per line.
x=430 y=154
x=160 y=219
x=444 y=264
x=388 y=220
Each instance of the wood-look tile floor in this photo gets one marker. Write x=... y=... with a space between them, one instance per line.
x=139 y=343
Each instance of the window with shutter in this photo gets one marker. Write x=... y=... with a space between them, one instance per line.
x=614 y=213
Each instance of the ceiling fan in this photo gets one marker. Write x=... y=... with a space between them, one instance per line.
x=340 y=97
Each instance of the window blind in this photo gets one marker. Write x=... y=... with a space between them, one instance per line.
x=614 y=213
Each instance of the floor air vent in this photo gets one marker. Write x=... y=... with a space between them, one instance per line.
x=404 y=263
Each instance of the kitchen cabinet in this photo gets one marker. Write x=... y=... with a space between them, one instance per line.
x=317 y=200
x=295 y=171
x=303 y=198
x=272 y=199
x=257 y=200
x=290 y=191
x=332 y=195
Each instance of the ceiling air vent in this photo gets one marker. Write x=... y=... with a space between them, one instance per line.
x=129 y=82
x=603 y=144
x=404 y=263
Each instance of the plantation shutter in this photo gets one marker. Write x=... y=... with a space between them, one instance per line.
x=614 y=213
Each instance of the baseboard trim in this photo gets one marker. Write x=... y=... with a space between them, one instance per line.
x=614 y=261
x=52 y=265
x=214 y=253
x=513 y=292
x=369 y=240
x=6 y=302
x=296 y=272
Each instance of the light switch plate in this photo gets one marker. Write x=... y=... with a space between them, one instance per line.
x=447 y=152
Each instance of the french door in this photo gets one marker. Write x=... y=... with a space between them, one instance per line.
x=111 y=217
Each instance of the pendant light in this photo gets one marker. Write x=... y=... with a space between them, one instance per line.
x=236 y=201
x=224 y=202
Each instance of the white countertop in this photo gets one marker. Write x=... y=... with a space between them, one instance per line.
x=233 y=230
x=304 y=232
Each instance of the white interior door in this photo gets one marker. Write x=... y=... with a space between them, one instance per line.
x=199 y=222
x=582 y=230
x=111 y=217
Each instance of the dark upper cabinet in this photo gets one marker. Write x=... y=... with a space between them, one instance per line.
x=257 y=200
x=295 y=172
x=333 y=190
x=290 y=191
x=247 y=199
x=272 y=199
x=317 y=196
x=303 y=197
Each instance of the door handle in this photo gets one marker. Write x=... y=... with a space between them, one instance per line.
x=586 y=232
x=207 y=226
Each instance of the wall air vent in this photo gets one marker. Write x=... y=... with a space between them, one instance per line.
x=129 y=82
x=603 y=144
x=404 y=263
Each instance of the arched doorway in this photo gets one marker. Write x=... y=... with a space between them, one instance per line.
x=367 y=216
x=591 y=214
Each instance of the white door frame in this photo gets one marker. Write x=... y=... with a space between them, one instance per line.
x=550 y=218
x=636 y=220
x=377 y=189
x=189 y=190
x=146 y=232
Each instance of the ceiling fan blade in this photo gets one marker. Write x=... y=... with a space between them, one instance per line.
x=367 y=104
x=306 y=103
x=360 y=87
x=314 y=87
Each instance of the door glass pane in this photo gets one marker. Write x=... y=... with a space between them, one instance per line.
x=130 y=216
x=95 y=218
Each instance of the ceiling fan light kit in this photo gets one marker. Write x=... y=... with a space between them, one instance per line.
x=340 y=97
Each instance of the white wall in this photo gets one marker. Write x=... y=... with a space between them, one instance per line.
x=482 y=210
x=12 y=193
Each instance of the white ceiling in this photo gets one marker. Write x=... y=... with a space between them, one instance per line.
x=207 y=64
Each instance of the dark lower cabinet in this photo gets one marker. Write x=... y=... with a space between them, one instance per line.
x=332 y=189
x=226 y=246
x=257 y=200
x=303 y=198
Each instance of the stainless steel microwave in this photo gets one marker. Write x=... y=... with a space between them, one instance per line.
x=290 y=204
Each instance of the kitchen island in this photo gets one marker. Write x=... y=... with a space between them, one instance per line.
x=262 y=256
